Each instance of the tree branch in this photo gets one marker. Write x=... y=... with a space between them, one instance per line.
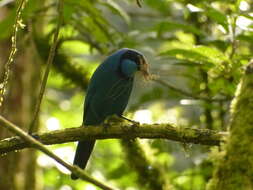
x=48 y=65
x=62 y=64
x=236 y=156
x=7 y=67
x=188 y=94
x=138 y=3
x=32 y=142
x=121 y=130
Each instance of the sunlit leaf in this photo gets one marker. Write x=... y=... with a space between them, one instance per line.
x=217 y=16
x=172 y=26
x=199 y=54
x=246 y=38
x=6 y=25
x=117 y=9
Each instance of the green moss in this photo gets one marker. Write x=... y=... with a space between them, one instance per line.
x=234 y=169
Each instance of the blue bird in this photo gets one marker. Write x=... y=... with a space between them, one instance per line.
x=108 y=94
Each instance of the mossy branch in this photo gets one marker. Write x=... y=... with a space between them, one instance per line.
x=7 y=68
x=48 y=65
x=234 y=166
x=120 y=130
x=28 y=139
x=62 y=64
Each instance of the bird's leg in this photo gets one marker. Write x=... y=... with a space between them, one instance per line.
x=129 y=120
x=35 y=136
x=106 y=124
x=117 y=119
x=110 y=120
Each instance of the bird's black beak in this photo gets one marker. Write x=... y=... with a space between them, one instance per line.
x=144 y=68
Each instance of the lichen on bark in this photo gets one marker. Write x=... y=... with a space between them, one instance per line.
x=234 y=167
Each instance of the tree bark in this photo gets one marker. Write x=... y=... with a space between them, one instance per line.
x=234 y=168
x=18 y=169
x=120 y=130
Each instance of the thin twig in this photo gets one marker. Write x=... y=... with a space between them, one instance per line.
x=17 y=24
x=188 y=94
x=138 y=3
x=48 y=65
x=38 y=145
x=233 y=37
x=85 y=33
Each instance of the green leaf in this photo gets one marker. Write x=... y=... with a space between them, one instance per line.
x=68 y=12
x=221 y=85
x=172 y=26
x=246 y=38
x=247 y=16
x=185 y=54
x=117 y=10
x=31 y=9
x=199 y=54
x=214 y=55
x=6 y=25
x=159 y=5
x=217 y=16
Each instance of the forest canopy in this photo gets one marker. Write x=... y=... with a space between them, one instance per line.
x=193 y=116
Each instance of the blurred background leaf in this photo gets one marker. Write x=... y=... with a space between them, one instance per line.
x=199 y=47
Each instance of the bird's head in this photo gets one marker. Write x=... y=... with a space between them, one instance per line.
x=140 y=61
x=143 y=67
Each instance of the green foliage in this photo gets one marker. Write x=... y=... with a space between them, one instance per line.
x=174 y=26
x=6 y=25
x=198 y=47
x=217 y=17
x=199 y=54
x=117 y=10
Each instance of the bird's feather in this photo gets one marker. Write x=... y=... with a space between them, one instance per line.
x=107 y=94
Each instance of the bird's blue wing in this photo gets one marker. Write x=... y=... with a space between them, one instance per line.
x=111 y=98
x=107 y=94
x=108 y=91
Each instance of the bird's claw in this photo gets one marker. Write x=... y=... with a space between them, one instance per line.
x=135 y=123
x=105 y=127
x=35 y=136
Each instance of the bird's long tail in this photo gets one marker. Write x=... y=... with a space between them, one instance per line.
x=83 y=152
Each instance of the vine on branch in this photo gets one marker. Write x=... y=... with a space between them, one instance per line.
x=17 y=24
x=138 y=3
x=48 y=65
